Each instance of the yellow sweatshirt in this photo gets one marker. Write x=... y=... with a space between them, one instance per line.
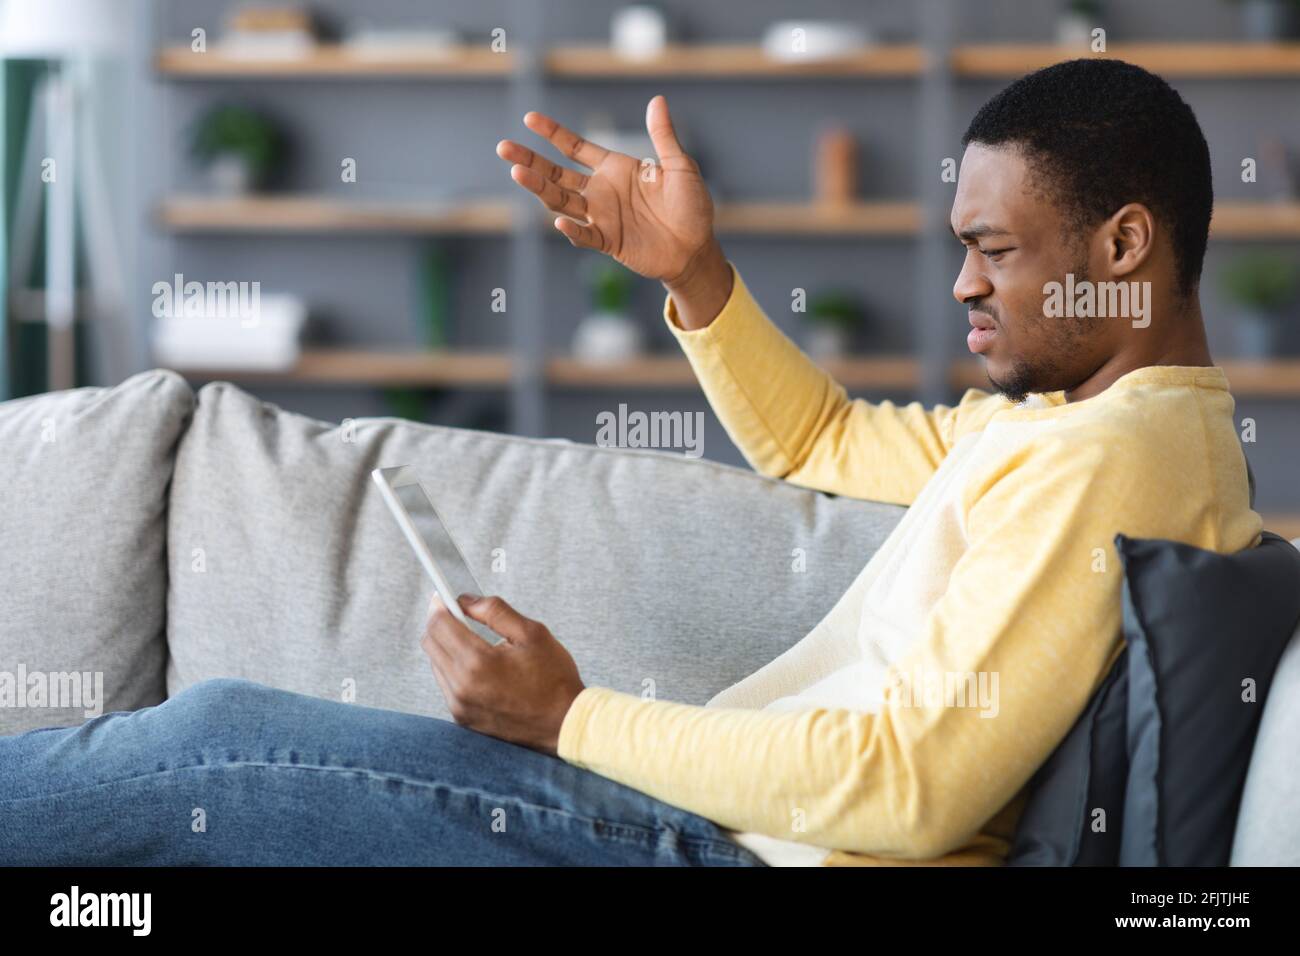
x=904 y=727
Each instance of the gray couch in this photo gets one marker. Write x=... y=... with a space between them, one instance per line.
x=160 y=538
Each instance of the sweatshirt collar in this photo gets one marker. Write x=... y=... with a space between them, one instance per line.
x=1204 y=376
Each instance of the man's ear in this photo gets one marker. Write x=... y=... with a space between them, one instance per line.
x=1129 y=237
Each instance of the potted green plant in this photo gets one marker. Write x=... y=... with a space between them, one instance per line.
x=1261 y=286
x=834 y=316
x=239 y=147
x=608 y=333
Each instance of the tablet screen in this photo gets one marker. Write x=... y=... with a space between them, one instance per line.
x=436 y=537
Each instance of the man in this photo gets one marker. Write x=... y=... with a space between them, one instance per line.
x=1083 y=204
x=1084 y=191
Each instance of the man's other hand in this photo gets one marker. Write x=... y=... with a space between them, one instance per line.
x=518 y=690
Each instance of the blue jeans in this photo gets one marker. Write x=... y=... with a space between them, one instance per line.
x=230 y=772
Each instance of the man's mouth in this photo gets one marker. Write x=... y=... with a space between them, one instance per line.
x=982 y=332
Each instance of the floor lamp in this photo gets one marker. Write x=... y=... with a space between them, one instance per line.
x=70 y=35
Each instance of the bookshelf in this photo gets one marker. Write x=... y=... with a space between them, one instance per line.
x=936 y=69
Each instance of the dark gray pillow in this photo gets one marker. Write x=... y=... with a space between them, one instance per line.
x=1199 y=626
x=1075 y=809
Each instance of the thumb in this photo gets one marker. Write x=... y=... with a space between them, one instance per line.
x=660 y=126
x=496 y=614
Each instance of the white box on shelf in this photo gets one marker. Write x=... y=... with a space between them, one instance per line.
x=265 y=341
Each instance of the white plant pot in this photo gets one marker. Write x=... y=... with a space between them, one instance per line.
x=827 y=341
x=1075 y=31
x=231 y=175
x=607 y=337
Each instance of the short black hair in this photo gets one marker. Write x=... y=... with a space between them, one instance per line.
x=1103 y=133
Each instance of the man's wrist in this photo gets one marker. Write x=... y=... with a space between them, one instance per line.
x=703 y=287
x=570 y=725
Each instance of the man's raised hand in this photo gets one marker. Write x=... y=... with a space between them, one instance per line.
x=656 y=219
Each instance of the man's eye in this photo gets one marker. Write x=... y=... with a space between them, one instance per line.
x=993 y=253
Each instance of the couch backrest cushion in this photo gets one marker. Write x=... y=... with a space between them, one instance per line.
x=657 y=572
x=1268 y=820
x=83 y=573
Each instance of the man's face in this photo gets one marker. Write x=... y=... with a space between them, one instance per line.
x=1017 y=241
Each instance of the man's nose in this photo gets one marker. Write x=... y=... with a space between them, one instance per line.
x=971 y=282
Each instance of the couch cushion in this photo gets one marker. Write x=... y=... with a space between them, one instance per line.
x=83 y=573
x=1205 y=632
x=660 y=574
x=1268 y=821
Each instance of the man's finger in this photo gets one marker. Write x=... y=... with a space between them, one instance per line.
x=439 y=664
x=569 y=143
x=552 y=196
x=460 y=645
x=498 y=615
x=660 y=126
x=521 y=155
x=450 y=688
x=582 y=236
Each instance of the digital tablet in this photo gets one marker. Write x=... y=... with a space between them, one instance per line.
x=432 y=543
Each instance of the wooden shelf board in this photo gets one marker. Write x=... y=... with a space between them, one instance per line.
x=720 y=60
x=647 y=371
x=702 y=61
x=330 y=60
x=968 y=373
x=1271 y=378
x=892 y=372
x=1167 y=59
x=1255 y=220
x=378 y=369
x=804 y=218
x=1285 y=524
x=296 y=214
x=673 y=371
x=363 y=367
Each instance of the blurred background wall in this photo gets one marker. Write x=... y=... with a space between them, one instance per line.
x=340 y=156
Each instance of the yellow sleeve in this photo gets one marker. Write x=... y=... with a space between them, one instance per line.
x=791 y=420
x=1029 y=610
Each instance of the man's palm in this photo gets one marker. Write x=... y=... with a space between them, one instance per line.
x=651 y=218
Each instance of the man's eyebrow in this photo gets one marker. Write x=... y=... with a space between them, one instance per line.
x=979 y=230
